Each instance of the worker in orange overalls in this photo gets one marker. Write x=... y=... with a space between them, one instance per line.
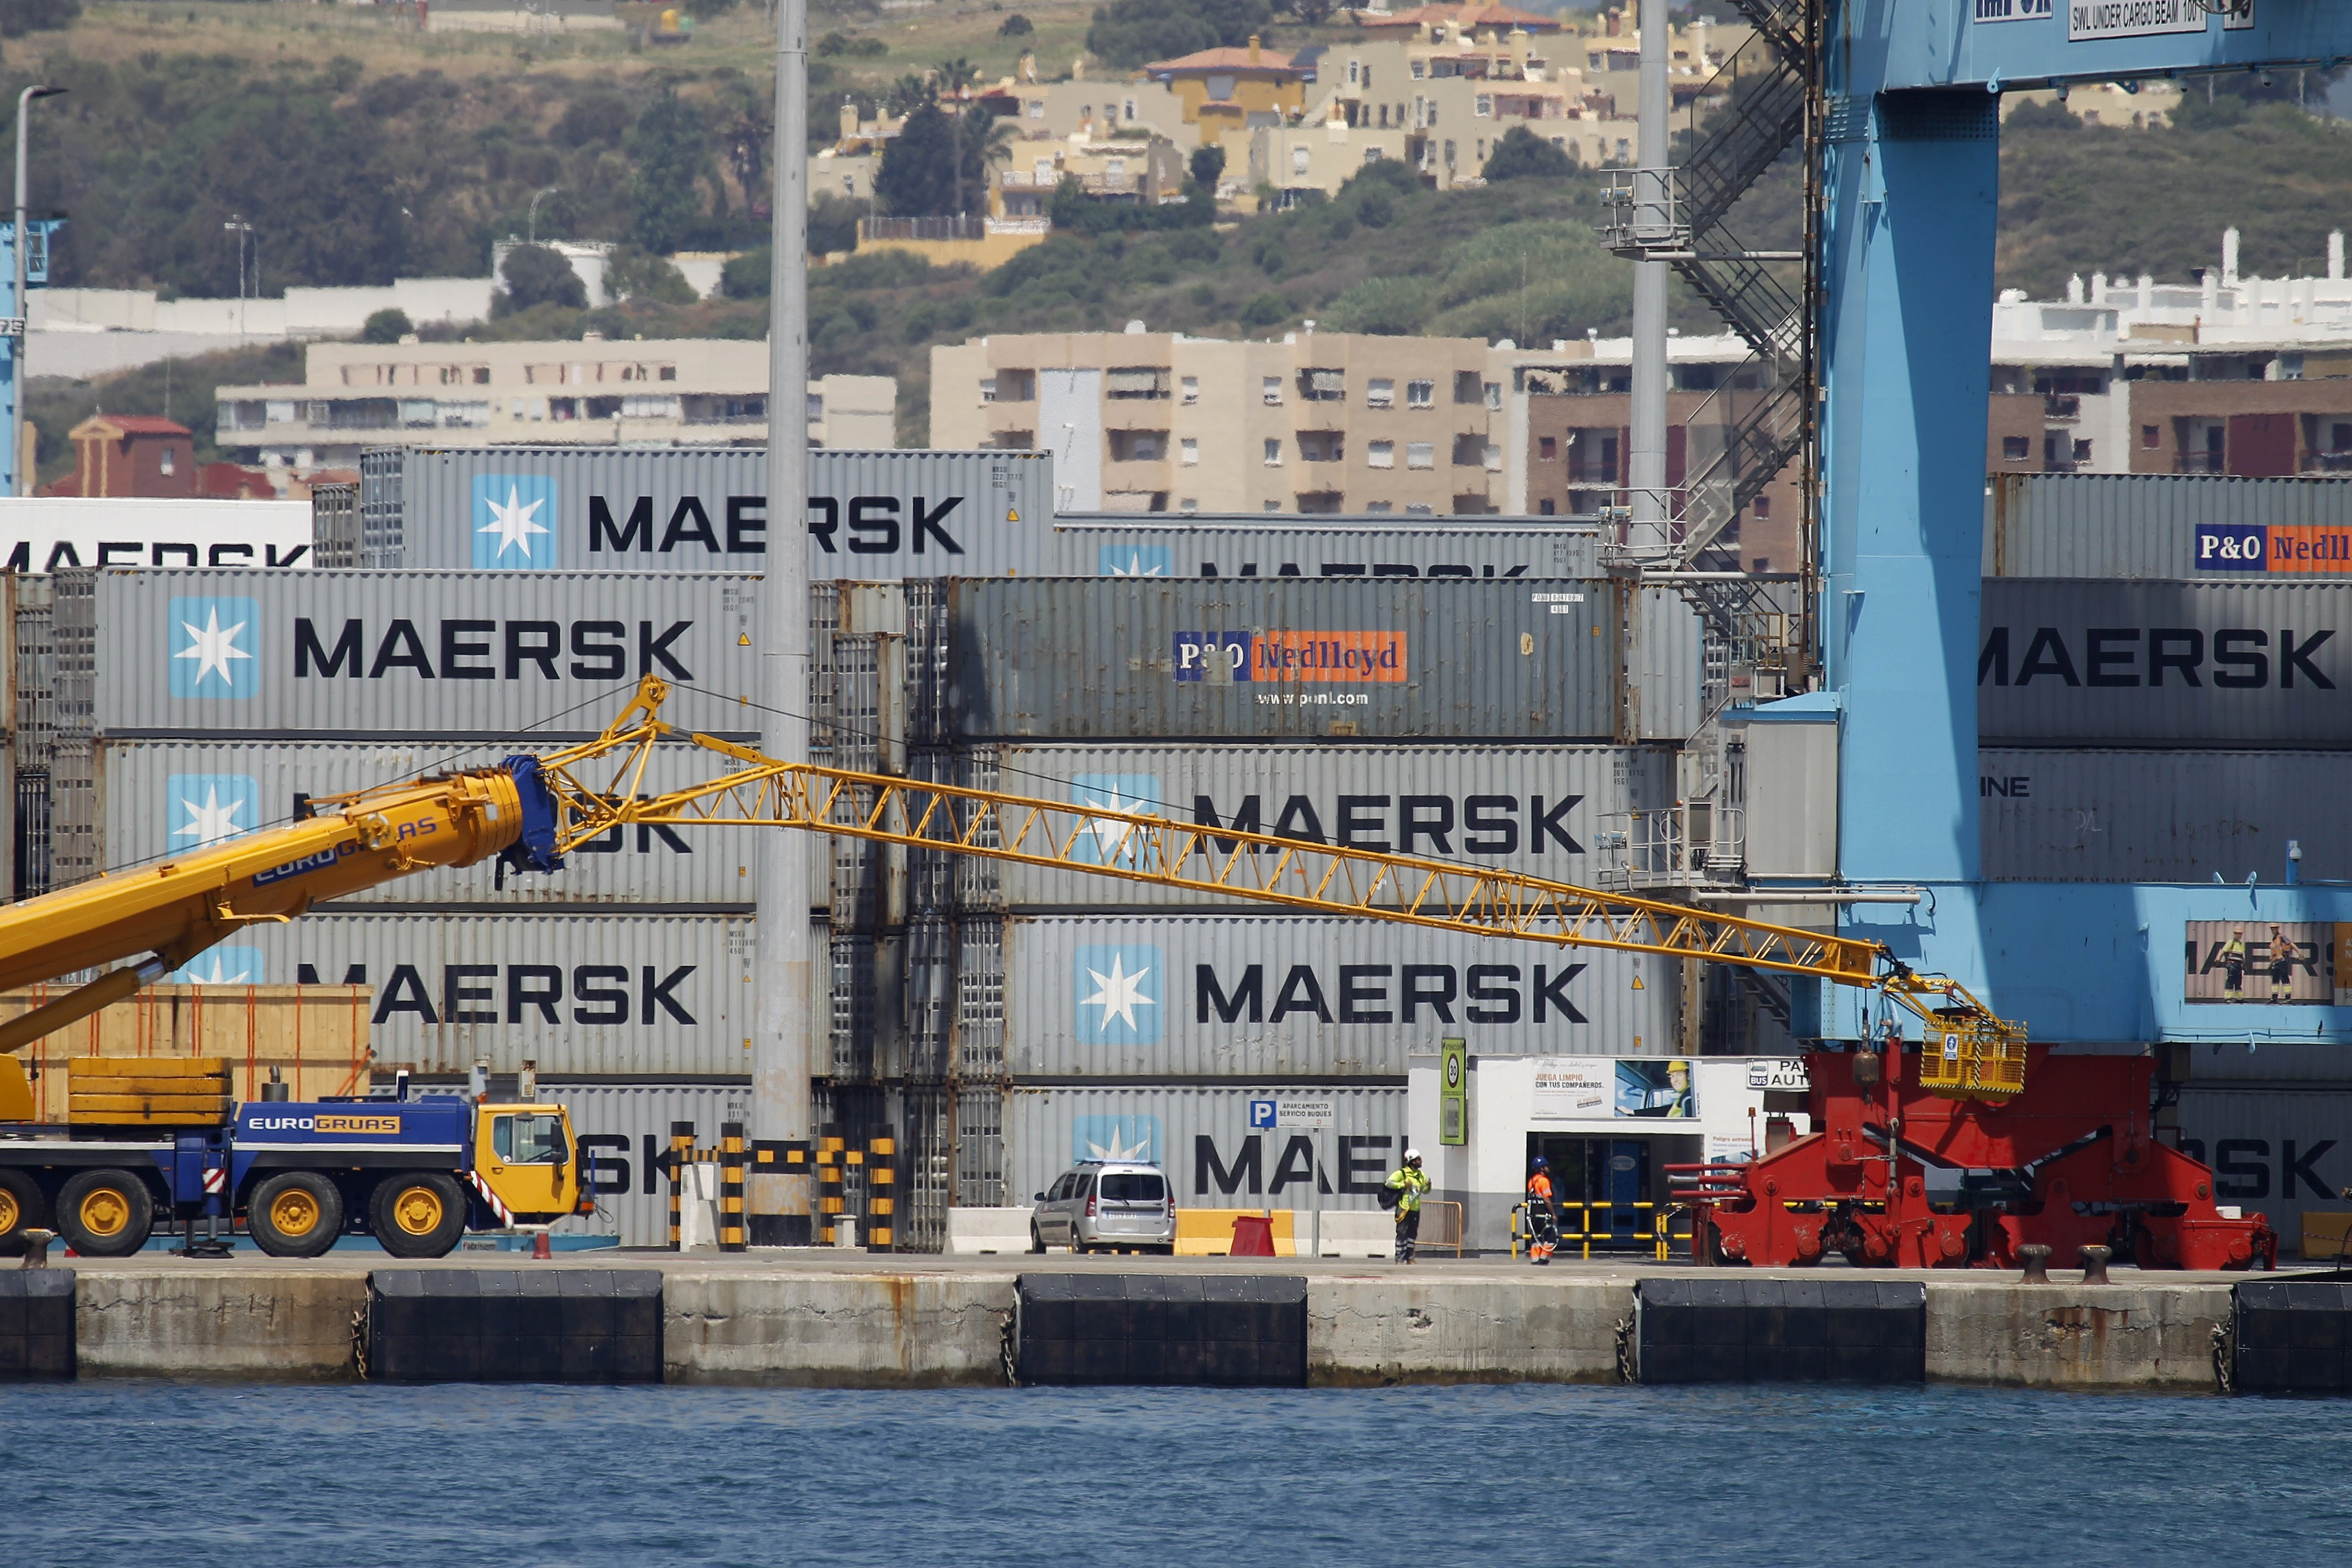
x=1543 y=1224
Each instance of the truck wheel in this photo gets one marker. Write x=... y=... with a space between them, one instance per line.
x=418 y=1215
x=22 y=1208
x=105 y=1213
x=295 y=1213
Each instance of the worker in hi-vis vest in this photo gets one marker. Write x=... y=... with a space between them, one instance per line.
x=1403 y=1192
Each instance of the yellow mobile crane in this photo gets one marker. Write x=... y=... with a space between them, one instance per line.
x=533 y=809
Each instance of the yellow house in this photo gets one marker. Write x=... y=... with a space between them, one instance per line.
x=1222 y=90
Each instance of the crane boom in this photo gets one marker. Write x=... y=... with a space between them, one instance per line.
x=536 y=808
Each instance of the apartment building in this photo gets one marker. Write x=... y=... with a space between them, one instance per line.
x=593 y=391
x=1056 y=111
x=1307 y=423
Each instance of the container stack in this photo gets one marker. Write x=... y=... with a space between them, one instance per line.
x=2165 y=696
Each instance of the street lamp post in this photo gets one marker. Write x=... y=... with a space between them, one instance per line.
x=23 y=312
x=534 y=210
x=244 y=232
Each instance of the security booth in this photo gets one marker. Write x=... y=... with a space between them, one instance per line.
x=1609 y=1127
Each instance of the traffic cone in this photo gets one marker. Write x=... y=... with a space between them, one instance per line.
x=539 y=1249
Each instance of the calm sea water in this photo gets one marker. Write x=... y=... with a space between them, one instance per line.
x=185 y=1475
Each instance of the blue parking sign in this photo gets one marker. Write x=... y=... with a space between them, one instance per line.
x=1261 y=1114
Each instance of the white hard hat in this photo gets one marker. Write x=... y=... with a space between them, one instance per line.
x=1411 y=1156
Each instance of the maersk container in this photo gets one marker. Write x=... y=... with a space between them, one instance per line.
x=1537 y=811
x=660 y=996
x=2284 y=1150
x=627 y=1127
x=2079 y=663
x=461 y=657
x=871 y=515
x=1310 y=998
x=1245 y=546
x=2160 y=526
x=160 y=798
x=1202 y=1137
x=1097 y=660
x=2162 y=816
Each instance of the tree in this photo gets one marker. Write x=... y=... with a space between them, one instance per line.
x=918 y=176
x=671 y=149
x=1137 y=32
x=388 y=326
x=1521 y=153
x=908 y=93
x=18 y=18
x=644 y=279
x=1016 y=26
x=1208 y=165
x=537 y=276
x=1311 y=13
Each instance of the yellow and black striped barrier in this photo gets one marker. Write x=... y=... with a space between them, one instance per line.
x=881 y=1188
x=1653 y=1226
x=731 y=1153
x=681 y=1149
x=832 y=1170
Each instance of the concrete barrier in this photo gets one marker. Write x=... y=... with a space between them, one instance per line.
x=232 y=1322
x=1355 y=1232
x=1417 y=1329
x=898 y=1330
x=2157 y=1333
x=978 y=1232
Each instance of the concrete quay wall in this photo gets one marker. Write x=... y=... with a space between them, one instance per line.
x=910 y=1325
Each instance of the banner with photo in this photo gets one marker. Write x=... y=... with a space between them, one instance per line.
x=1604 y=1088
x=2263 y=962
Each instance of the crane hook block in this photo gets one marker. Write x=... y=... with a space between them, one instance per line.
x=533 y=848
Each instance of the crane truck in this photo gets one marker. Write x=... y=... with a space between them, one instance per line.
x=2051 y=1152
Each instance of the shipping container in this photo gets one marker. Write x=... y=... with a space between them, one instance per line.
x=2078 y=663
x=627 y=1127
x=1537 y=811
x=457 y=655
x=2162 y=816
x=51 y=533
x=1247 y=546
x=2161 y=526
x=873 y=515
x=661 y=996
x=154 y=799
x=1091 y=660
x=1202 y=1137
x=1665 y=662
x=1311 y=998
x=2282 y=1150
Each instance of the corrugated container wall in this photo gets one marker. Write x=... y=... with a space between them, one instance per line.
x=1665 y=662
x=1534 y=810
x=1096 y=660
x=654 y=996
x=2159 y=526
x=2162 y=816
x=627 y=1127
x=1202 y=1137
x=1309 y=998
x=1248 y=547
x=335 y=525
x=2074 y=662
x=157 y=798
x=2280 y=1150
x=460 y=656
x=704 y=509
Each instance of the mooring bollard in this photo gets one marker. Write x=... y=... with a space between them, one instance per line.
x=2095 y=1264
x=36 y=1248
x=2036 y=1258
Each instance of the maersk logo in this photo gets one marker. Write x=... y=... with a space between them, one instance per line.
x=206 y=809
x=1102 y=842
x=1135 y=561
x=213 y=643
x=1134 y=1138
x=1119 y=988
x=222 y=966
x=514 y=522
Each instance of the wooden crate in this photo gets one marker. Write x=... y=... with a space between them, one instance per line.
x=147 y=1091
x=315 y=1036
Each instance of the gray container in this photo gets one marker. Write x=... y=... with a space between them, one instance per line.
x=627 y=1127
x=1666 y=661
x=160 y=798
x=1307 y=997
x=1538 y=810
x=1202 y=1137
x=872 y=515
x=2159 y=526
x=463 y=657
x=1244 y=546
x=1088 y=660
x=2280 y=1150
x=661 y=996
x=2198 y=664
x=2161 y=817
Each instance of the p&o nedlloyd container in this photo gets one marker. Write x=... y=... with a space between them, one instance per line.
x=1308 y=999
x=1537 y=811
x=2078 y=662
x=1097 y=660
x=2165 y=526
x=593 y=995
x=459 y=655
x=1228 y=546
